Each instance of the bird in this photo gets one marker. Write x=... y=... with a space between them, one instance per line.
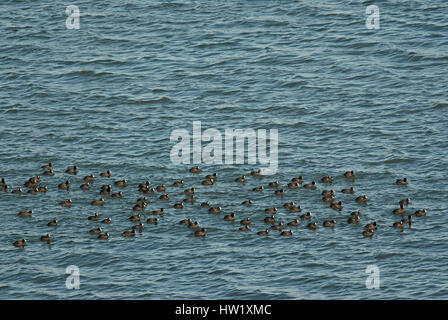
x=361 y=198
x=263 y=233
x=106 y=174
x=403 y=181
x=200 y=233
x=195 y=170
x=329 y=223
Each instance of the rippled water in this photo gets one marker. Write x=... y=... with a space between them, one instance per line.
x=107 y=96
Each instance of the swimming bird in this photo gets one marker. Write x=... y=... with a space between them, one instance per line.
x=354 y=219
x=298 y=180
x=329 y=198
x=64 y=186
x=96 y=230
x=247 y=202
x=361 y=198
x=371 y=226
x=205 y=204
x=121 y=183
x=405 y=201
x=400 y=210
x=106 y=189
x=138 y=226
x=241 y=179
x=398 y=224
x=348 y=190
x=106 y=174
x=270 y=210
x=157 y=212
x=349 y=174
x=49 y=173
x=408 y=220
x=403 y=181
x=45 y=238
x=312 y=225
x=189 y=199
x=327 y=179
x=229 y=217
x=244 y=228
x=134 y=218
x=42 y=189
x=329 y=223
x=278 y=226
x=195 y=170
x=263 y=233
x=108 y=220
x=117 y=195
x=270 y=219
x=367 y=233
x=17 y=191
x=293 y=223
x=189 y=191
x=72 y=170
x=420 y=213
x=32 y=191
x=95 y=217
x=19 y=243
x=311 y=185
x=90 y=178
x=28 y=184
x=48 y=166
x=152 y=221
x=52 y=223
x=85 y=186
x=355 y=213
x=148 y=191
x=289 y=204
x=260 y=188
x=293 y=185
x=193 y=225
x=214 y=210
x=279 y=192
x=185 y=221
x=179 y=183
x=104 y=236
x=161 y=188
x=145 y=185
x=67 y=203
x=139 y=207
x=128 y=233
x=295 y=209
x=179 y=205
x=327 y=193
x=286 y=233
x=99 y=202
x=164 y=197
x=273 y=184
x=200 y=233
x=245 y=221
x=256 y=173
x=212 y=176
x=336 y=206
x=25 y=213
x=306 y=216
x=208 y=182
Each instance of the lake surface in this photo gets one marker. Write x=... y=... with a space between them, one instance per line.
x=109 y=95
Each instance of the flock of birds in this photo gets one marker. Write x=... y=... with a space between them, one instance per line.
x=328 y=196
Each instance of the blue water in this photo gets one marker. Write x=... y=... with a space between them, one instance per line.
x=108 y=96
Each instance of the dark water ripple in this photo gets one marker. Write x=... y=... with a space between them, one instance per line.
x=107 y=96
